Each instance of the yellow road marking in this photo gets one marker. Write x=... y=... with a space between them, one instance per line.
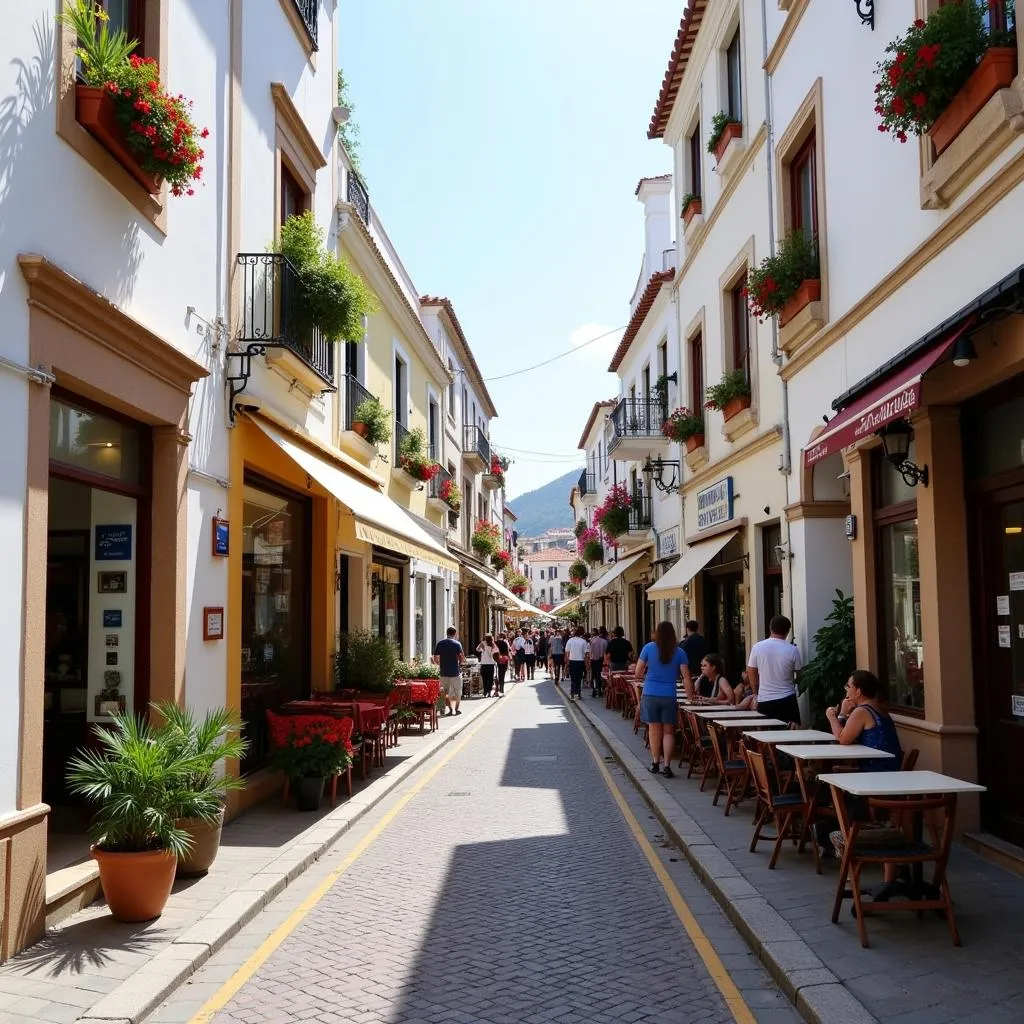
x=730 y=993
x=228 y=990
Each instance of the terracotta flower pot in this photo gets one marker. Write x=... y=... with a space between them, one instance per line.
x=735 y=406
x=996 y=71
x=733 y=130
x=94 y=111
x=205 y=844
x=309 y=793
x=694 y=442
x=136 y=885
x=360 y=428
x=692 y=209
x=808 y=292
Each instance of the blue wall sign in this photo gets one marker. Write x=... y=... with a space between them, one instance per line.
x=714 y=504
x=111 y=618
x=114 y=543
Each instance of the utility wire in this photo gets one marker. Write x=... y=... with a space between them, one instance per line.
x=561 y=355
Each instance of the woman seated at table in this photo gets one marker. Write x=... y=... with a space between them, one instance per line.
x=860 y=718
x=712 y=668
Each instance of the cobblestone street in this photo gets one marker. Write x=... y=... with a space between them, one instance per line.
x=509 y=889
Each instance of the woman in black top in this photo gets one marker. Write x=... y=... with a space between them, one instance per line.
x=501 y=659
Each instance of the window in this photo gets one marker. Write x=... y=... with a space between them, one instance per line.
x=695 y=159
x=663 y=359
x=734 y=76
x=554 y=573
x=130 y=16
x=542 y=574
x=451 y=391
x=803 y=184
x=432 y=433
x=387 y=601
x=771 y=541
x=697 y=372
x=465 y=405
x=401 y=410
x=645 y=382
x=898 y=586
x=740 y=328
x=999 y=16
x=293 y=196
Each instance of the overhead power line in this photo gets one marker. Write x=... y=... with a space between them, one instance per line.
x=561 y=355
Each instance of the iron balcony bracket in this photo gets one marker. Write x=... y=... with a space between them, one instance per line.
x=239 y=381
x=866 y=12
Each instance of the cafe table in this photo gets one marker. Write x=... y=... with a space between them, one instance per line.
x=735 y=722
x=726 y=709
x=791 y=736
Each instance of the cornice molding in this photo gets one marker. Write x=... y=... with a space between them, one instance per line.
x=289 y=115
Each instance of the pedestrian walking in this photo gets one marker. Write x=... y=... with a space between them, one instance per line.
x=449 y=657
x=695 y=647
x=577 y=654
x=519 y=655
x=487 y=649
x=772 y=668
x=556 y=655
x=502 y=659
x=598 y=647
x=660 y=667
x=530 y=650
x=619 y=651
x=542 y=648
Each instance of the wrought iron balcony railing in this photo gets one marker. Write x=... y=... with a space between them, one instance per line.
x=401 y=433
x=475 y=443
x=640 y=417
x=640 y=512
x=359 y=197
x=355 y=395
x=275 y=314
x=587 y=483
x=308 y=10
x=436 y=483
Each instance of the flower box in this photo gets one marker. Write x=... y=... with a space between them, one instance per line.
x=996 y=71
x=696 y=441
x=94 y=111
x=692 y=209
x=733 y=130
x=735 y=406
x=808 y=292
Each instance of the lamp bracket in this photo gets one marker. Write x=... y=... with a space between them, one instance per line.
x=866 y=12
x=912 y=473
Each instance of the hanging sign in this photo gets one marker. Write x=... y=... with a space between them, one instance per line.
x=714 y=504
x=114 y=543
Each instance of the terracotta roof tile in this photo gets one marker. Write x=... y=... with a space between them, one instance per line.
x=688 y=28
x=598 y=406
x=636 y=321
x=659 y=177
x=551 y=555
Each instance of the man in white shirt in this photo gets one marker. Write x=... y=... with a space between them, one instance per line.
x=577 y=654
x=772 y=668
x=519 y=646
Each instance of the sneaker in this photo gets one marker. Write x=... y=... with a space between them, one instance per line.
x=668 y=773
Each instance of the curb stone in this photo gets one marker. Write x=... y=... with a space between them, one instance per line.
x=135 y=999
x=819 y=996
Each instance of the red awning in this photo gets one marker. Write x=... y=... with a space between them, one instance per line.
x=890 y=399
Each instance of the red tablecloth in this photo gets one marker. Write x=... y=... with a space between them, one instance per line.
x=368 y=715
x=425 y=690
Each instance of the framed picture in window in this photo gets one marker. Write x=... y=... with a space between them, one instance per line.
x=221 y=537
x=112 y=582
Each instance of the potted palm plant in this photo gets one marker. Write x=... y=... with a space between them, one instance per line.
x=145 y=783
x=208 y=742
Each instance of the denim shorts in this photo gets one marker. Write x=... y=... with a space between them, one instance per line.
x=659 y=710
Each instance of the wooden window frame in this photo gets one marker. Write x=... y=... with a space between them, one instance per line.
x=696 y=354
x=739 y=328
x=734 y=82
x=695 y=159
x=290 y=182
x=297 y=152
x=804 y=158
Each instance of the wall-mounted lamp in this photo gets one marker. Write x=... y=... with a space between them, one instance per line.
x=896 y=444
x=659 y=469
x=866 y=11
x=964 y=352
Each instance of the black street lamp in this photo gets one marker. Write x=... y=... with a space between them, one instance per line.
x=896 y=445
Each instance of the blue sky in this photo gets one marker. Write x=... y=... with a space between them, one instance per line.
x=502 y=143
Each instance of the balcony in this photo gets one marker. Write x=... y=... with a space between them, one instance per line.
x=587 y=487
x=307 y=11
x=434 y=499
x=353 y=395
x=636 y=428
x=274 y=315
x=358 y=197
x=639 y=520
x=476 y=451
x=406 y=479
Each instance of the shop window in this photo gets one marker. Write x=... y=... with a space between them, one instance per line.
x=771 y=543
x=88 y=441
x=898 y=587
x=734 y=78
x=387 y=600
x=275 y=599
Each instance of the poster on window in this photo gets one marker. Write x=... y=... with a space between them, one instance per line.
x=1005 y=638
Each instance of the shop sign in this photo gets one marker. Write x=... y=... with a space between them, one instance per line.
x=714 y=504
x=668 y=543
x=114 y=543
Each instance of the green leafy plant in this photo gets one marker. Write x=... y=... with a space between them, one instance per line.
x=416 y=670
x=733 y=385
x=578 y=571
x=349 y=132
x=719 y=123
x=612 y=515
x=145 y=781
x=689 y=197
x=486 y=539
x=334 y=298
x=450 y=494
x=579 y=528
x=516 y=582
x=375 y=418
x=824 y=677
x=364 y=661
x=682 y=425
x=573 y=590
x=778 y=278
x=102 y=53
x=312 y=750
x=412 y=455
x=925 y=68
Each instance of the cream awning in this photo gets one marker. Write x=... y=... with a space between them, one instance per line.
x=499 y=588
x=601 y=585
x=378 y=519
x=564 y=607
x=692 y=561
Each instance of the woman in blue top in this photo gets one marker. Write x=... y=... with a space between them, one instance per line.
x=861 y=719
x=660 y=667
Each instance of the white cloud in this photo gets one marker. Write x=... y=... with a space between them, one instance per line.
x=602 y=350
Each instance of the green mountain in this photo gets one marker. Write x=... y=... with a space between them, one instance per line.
x=546 y=507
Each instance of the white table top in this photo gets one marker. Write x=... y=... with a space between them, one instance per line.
x=748 y=723
x=725 y=709
x=792 y=736
x=898 y=783
x=836 y=752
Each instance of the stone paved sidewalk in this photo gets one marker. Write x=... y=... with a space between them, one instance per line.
x=912 y=974
x=94 y=968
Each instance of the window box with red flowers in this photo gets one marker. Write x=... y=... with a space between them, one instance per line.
x=486 y=539
x=685 y=427
x=494 y=478
x=725 y=141
x=937 y=77
x=589 y=545
x=612 y=515
x=413 y=459
x=122 y=103
x=501 y=560
x=516 y=582
x=788 y=286
x=449 y=493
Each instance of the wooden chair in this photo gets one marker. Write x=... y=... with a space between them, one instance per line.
x=703 y=758
x=399 y=701
x=861 y=848
x=733 y=773
x=783 y=808
x=630 y=699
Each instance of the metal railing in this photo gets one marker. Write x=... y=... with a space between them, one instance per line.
x=474 y=443
x=308 y=10
x=639 y=417
x=640 y=512
x=401 y=432
x=587 y=483
x=355 y=395
x=275 y=313
x=359 y=197
x=434 y=487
